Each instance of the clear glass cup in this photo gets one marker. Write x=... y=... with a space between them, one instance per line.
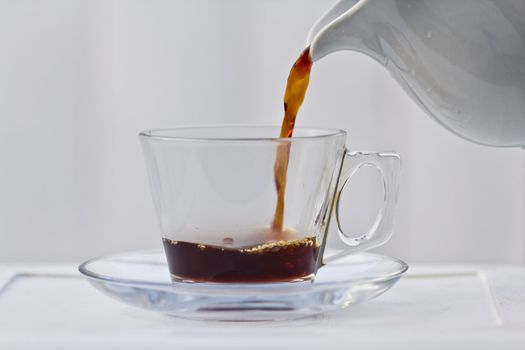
x=215 y=195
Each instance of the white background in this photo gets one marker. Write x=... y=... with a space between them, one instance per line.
x=79 y=79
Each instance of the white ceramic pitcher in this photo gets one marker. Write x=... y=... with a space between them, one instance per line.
x=462 y=61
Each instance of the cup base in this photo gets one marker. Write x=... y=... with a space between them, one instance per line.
x=179 y=279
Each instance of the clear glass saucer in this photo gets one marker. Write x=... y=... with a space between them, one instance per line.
x=142 y=279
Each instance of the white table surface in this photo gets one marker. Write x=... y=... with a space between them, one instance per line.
x=432 y=307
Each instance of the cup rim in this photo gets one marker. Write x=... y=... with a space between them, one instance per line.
x=163 y=133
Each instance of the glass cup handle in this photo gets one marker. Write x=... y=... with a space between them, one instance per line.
x=389 y=165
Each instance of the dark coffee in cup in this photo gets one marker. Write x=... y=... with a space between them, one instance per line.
x=278 y=261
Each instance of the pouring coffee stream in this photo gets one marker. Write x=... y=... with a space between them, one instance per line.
x=296 y=87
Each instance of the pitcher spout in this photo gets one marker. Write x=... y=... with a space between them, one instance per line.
x=340 y=29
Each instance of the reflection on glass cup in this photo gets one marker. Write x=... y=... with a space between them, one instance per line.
x=215 y=195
